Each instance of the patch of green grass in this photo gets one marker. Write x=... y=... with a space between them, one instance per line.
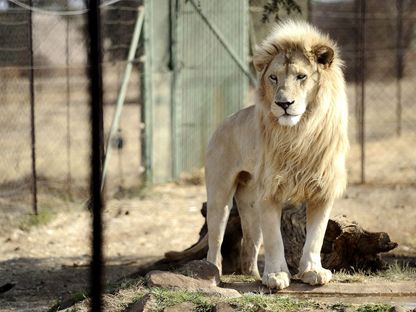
x=374 y=308
x=42 y=218
x=245 y=303
x=166 y=298
x=254 y=302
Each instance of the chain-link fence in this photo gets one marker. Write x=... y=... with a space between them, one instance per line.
x=378 y=43
x=44 y=112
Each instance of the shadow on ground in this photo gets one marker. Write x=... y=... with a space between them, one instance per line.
x=39 y=283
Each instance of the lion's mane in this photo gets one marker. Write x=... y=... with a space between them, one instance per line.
x=308 y=159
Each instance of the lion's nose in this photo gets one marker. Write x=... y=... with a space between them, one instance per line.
x=284 y=105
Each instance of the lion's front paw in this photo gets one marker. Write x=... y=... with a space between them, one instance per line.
x=319 y=276
x=277 y=280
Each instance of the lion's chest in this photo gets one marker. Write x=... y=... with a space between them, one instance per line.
x=292 y=177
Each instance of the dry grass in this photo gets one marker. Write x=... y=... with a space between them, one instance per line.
x=394 y=273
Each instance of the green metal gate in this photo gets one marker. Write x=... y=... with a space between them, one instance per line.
x=207 y=61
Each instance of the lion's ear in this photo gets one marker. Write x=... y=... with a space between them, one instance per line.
x=263 y=55
x=324 y=55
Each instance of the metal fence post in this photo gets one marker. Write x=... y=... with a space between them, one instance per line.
x=32 y=116
x=362 y=80
x=357 y=67
x=96 y=117
x=399 y=63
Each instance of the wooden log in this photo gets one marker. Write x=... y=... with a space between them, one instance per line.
x=347 y=246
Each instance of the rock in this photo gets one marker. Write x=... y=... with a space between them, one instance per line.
x=223 y=307
x=166 y=279
x=181 y=307
x=201 y=269
x=146 y=304
x=175 y=280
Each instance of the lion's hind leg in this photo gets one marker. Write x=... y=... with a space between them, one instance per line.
x=250 y=224
x=219 y=204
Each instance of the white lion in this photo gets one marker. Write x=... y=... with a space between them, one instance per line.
x=290 y=146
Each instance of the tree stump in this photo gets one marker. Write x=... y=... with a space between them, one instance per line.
x=347 y=246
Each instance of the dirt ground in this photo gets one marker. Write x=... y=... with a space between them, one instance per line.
x=49 y=262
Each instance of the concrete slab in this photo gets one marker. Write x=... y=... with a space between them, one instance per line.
x=391 y=289
x=393 y=293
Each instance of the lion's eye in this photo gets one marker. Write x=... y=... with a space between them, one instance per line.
x=300 y=77
x=273 y=79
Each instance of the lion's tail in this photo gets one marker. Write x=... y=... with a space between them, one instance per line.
x=197 y=251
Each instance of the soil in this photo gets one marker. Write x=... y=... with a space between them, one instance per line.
x=49 y=262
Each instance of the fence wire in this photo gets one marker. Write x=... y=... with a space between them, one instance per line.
x=61 y=111
x=378 y=43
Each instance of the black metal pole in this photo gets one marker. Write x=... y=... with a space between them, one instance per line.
x=357 y=68
x=96 y=93
x=32 y=117
x=363 y=72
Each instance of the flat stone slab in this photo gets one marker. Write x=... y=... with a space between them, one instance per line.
x=391 y=289
x=165 y=279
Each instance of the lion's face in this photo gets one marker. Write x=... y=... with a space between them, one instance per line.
x=288 y=83
x=289 y=79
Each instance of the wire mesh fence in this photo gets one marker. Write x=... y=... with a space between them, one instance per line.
x=212 y=40
x=377 y=40
x=51 y=48
x=378 y=43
